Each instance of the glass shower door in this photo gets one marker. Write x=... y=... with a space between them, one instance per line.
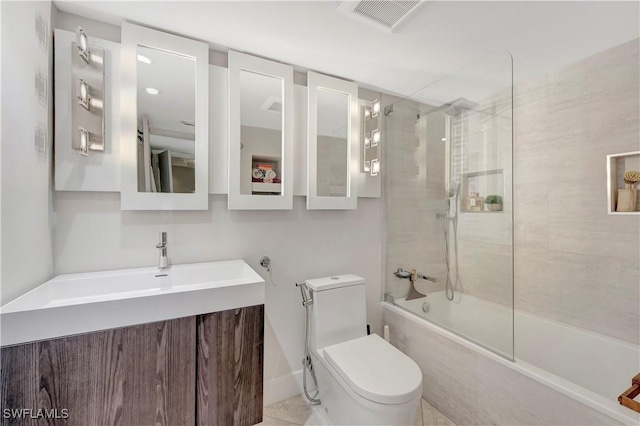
x=449 y=203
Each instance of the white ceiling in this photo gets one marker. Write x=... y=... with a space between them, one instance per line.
x=257 y=92
x=174 y=76
x=333 y=113
x=438 y=39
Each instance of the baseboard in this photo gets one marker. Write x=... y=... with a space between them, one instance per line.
x=283 y=387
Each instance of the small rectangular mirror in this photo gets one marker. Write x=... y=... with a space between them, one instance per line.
x=260 y=134
x=166 y=121
x=333 y=143
x=165 y=129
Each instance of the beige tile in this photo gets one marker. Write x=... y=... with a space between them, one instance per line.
x=317 y=418
x=573 y=262
x=592 y=292
x=506 y=397
x=432 y=417
x=486 y=270
x=418 y=419
x=272 y=421
x=448 y=369
x=293 y=410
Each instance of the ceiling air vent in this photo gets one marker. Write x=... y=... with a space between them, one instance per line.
x=272 y=104
x=383 y=14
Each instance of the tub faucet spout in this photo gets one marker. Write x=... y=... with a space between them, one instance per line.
x=424 y=277
x=413 y=276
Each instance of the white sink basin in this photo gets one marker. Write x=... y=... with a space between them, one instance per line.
x=81 y=303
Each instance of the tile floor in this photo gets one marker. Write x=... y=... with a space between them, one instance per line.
x=297 y=411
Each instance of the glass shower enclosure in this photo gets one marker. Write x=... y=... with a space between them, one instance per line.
x=449 y=203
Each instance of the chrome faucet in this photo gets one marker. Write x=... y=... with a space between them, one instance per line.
x=413 y=276
x=424 y=277
x=162 y=245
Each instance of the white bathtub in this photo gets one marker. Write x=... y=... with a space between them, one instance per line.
x=586 y=366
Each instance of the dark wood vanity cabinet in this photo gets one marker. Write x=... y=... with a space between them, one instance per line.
x=204 y=369
x=230 y=360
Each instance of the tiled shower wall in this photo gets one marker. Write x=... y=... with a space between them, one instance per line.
x=573 y=262
x=485 y=239
x=414 y=192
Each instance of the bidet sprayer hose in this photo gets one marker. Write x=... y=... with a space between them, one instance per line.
x=306 y=302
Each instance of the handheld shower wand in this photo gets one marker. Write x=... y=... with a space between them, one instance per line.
x=453 y=195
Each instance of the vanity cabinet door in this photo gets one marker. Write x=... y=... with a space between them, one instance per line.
x=139 y=375
x=230 y=365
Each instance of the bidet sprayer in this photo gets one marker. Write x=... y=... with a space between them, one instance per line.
x=307 y=299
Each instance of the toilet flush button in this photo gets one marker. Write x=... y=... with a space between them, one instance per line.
x=335 y=278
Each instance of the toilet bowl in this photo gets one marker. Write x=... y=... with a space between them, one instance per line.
x=362 y=379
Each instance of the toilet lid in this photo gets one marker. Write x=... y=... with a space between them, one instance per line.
x=376 y=370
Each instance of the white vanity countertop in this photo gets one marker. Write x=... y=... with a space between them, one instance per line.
x=86 y=302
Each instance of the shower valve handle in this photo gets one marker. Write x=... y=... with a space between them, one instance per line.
x=412 y=275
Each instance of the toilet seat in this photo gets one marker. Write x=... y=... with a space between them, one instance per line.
x=376 y=370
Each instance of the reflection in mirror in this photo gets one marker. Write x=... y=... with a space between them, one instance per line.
x=332 y=152
x=261 y=143
x=332 y=146
x=166 y=94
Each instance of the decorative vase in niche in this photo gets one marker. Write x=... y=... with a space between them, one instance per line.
x=494 y=207
x=627 y=197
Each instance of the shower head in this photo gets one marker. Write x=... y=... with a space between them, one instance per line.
x=453 y=108
x=456 y=107
x=454 y=189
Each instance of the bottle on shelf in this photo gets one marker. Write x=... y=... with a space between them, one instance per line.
x=475 y=203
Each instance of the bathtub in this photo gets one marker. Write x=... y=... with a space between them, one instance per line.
x=588 y=367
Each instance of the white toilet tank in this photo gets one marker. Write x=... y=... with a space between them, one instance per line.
x=338 y=312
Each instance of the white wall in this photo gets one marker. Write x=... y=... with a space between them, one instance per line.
x=92 y=233
x=26 y=148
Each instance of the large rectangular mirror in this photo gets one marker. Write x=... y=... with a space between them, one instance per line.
x=260 y=134
x=165 y=129
x=332 y=143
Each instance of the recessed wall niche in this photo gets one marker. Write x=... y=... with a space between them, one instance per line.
x=482 y=192
x=617 y=166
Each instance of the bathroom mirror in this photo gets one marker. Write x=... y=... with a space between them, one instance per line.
x=260 y=134
x=166 y=121
x=332 y=143
x=165 y=135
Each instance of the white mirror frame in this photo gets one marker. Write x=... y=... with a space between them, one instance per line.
x=315 y=202
x=131 y=199
x=237 y=201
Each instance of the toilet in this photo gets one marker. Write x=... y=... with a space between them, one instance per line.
x=362 y=379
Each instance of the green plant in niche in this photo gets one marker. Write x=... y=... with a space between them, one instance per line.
x=493 y=199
